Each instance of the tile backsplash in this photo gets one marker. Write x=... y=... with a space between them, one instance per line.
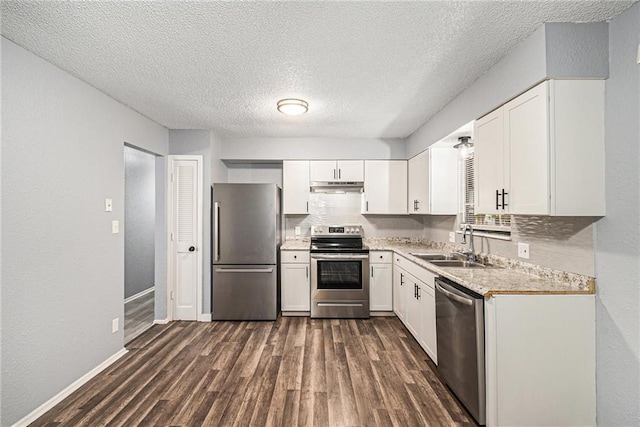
x=345 y=209
x=562 y=243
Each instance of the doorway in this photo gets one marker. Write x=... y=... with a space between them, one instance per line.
x=139 y=235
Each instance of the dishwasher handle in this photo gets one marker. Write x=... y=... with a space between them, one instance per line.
x=451 y=295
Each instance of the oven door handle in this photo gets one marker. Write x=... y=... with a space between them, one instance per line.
x=339 y=256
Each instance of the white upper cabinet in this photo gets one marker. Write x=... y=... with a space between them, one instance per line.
x=341 y=170
x=490 y=162
x=385 y=187
x=295 y=183
x=543 y=152
x=433 y=182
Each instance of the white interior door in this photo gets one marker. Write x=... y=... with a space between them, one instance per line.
x=186 y=237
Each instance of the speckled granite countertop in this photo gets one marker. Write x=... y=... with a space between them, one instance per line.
x=296 y=245
x=513 y=277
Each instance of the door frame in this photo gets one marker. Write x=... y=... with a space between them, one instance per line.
x=171 y=207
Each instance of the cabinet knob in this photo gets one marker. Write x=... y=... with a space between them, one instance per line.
x=295 y=257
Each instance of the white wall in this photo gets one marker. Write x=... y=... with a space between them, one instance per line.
x=618 y=233
x=62 y=268
x=278 y=149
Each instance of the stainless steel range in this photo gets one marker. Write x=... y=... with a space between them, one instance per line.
x=339 y=272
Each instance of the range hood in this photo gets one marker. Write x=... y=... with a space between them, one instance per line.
x=337 y=186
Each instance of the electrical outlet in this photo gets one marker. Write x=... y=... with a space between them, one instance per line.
x=108 y=205
x=115 y=227
x=297 y=231
x=523 y=250
x=115 y=325
x=452 y=236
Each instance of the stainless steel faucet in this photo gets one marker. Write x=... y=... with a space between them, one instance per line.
x=470 y=253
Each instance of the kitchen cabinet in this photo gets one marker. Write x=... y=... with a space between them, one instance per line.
x=433 y=182
x=540 y=360
x=295 y=286
x=543 y=152
x=399 y=282
x=385 y=187
x=295 y=187
x=341 y=170
x=417 y=306
x=381 y=281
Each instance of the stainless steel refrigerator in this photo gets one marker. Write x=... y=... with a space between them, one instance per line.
x=246 y=238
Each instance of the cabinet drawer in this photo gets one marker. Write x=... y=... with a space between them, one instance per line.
x=293 y=257
x=381 y=257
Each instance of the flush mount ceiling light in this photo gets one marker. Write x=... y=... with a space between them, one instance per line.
x=292 y=106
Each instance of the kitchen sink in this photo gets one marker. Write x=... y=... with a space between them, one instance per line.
x=436 y=257
x=459 y=264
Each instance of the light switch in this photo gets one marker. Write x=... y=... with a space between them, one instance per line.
x=108 y=205
x=452 y=236
x=115 y=227
x=297 y=231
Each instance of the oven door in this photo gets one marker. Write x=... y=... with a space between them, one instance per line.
x=339 y=285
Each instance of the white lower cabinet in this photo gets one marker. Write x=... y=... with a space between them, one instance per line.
x=415 y=304
x=540 y=360
x=399 y=283
x=295 y=285
x=380 y=281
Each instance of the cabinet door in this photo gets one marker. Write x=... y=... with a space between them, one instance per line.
x=489 y=159
x=427 y=338
x=350 y=170
x=381 y=288
x=323 y=170
x=418 y=202
x=295 y=287
x=399 y=286
x=443 y=181
x=413 y=319
x=385 y=187
x=527 y=135
x=295 y=184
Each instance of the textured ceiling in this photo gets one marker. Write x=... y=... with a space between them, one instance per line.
x=367 y=69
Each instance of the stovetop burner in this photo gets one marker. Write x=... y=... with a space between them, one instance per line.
x=337 y=239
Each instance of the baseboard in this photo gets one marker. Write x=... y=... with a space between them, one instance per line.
x=161 y=321
x=139 y=294
x=205 y=317
x=296 y=313
x=382 y=314
x=42 y=409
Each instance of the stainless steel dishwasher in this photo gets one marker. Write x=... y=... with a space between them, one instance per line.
x=460 y=328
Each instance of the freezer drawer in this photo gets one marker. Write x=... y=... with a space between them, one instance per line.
x=245 y=292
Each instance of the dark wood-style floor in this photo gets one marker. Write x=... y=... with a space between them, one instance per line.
x=294 y=371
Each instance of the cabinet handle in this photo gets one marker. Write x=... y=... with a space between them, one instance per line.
x=372 y=271
x=497 y=198
x=415 y=292
x=334 y=174
x=295 y=257
x=401 y=279
x=306 y=272
x=339 y=173
x=418 y=296
x=504 y=205
x=307 y=207
x=367 y=206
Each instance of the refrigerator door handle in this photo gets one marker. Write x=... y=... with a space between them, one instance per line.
x=244 y=270
x=216 y=228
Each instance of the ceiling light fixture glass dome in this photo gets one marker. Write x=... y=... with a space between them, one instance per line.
x=293 y=106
